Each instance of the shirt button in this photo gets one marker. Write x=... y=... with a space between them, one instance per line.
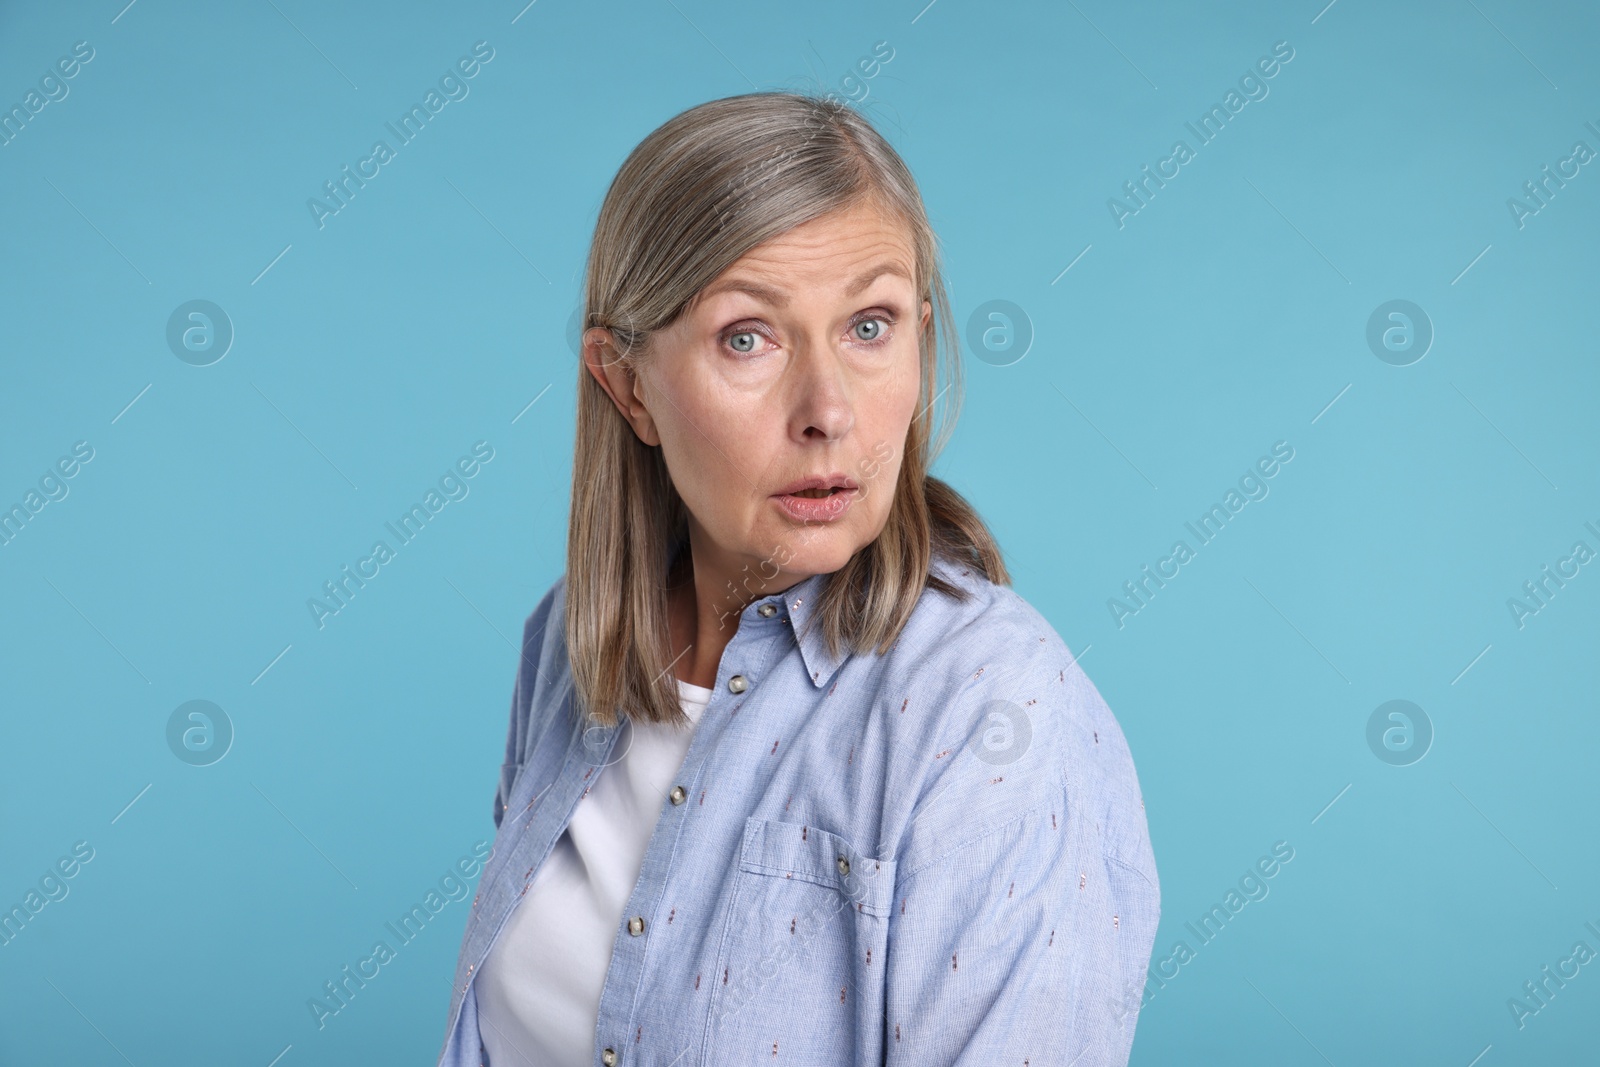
x=636 y=925
x=767 y=611
x=736 y=684
x=844 y=865
x=678 y=794
x=609 y=1057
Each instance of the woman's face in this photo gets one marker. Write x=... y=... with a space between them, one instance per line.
x=799 y=362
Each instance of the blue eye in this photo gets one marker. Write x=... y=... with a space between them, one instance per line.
x=874 y=327
x=743 y=341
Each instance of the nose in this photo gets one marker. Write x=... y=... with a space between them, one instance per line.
x=823 y=407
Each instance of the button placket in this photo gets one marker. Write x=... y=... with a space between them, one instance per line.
x=754 y=648
x=739 y=683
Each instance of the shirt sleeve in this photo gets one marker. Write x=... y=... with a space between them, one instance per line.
x=510 y=766
x=544 y=619
x=1026 y=902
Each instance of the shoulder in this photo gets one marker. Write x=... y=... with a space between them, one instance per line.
x=546 y=617
x=543 y=674
x=985 y=639
x=543 y=637
x=1013 y=725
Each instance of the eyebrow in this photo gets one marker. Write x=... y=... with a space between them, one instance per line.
x=777 y=298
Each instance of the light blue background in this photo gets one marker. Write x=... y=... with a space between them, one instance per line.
x=1223 y=317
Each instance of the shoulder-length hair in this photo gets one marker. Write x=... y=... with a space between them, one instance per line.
x=699 y=192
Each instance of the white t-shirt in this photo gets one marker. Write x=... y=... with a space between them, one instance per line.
x=539 y=988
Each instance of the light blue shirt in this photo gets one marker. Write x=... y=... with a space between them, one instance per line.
x=933 y=856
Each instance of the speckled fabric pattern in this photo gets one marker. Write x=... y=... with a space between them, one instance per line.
x=937 y=855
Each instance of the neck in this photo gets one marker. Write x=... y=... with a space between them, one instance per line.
x=704 y=603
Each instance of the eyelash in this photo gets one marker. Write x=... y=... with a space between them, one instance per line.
x=880 y=314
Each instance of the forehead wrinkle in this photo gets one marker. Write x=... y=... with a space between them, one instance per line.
x=776 y=297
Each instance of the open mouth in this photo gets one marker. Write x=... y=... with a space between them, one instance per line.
x=818 y=486
x=819 y=503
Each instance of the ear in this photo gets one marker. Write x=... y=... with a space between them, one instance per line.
x=927 y=312
x=617 y=378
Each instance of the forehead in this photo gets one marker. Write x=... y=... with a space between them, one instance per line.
x=844 y=252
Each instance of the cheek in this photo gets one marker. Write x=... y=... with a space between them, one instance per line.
x=693 y=461
x=888 y=421
x=884 y=477
x=716 y=454
x=905 y=385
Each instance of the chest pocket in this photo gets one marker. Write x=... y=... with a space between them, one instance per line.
x=812 y=854
x=801 y=965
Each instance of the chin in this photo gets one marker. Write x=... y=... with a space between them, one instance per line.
x=823 y=552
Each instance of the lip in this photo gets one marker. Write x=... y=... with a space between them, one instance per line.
x=818 y=509
x=823 y=481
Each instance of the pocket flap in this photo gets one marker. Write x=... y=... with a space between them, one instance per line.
x=812 y=854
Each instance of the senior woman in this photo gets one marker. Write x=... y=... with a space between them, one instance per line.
x=793 y=776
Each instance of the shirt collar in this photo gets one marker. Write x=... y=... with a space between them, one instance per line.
x=796 y=606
